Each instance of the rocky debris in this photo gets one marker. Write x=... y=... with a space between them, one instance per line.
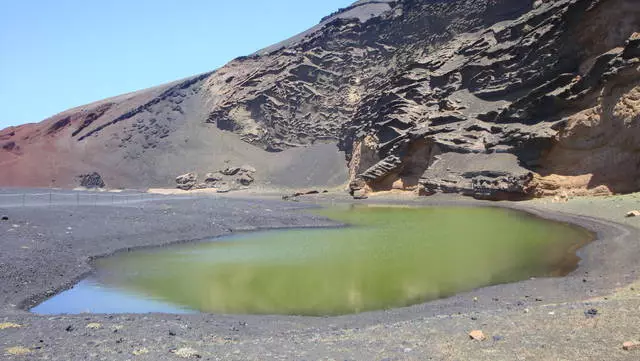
x=295 y=195
x=225 y=180
x=591 y=313
x=91 y=180
x=631 y=345
x=631 y=214
x=186 y=181
x=477 y=335
x=358 y=188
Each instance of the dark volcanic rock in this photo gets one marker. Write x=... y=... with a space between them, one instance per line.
x=503 y=89
x=404 y=87
x=91 y=180
x=225 y=180
x=186 y=181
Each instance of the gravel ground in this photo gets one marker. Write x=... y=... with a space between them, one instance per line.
x=47 y=249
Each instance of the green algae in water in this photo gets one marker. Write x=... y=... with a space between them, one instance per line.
x=389 y=257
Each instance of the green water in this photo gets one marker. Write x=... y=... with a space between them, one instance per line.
x=390 y=257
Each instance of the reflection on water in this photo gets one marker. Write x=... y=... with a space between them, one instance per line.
x=391 y=257
x=89 y=296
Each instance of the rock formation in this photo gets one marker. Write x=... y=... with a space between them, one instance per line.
x=225 y=180
x=91 y=180
x=496 y=99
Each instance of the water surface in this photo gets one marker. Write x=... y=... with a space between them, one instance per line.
x=389 y=257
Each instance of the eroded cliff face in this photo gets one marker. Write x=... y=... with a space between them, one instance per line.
x=497 y=99
x=541 y=105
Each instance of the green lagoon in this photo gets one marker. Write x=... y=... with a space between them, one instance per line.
x=388 y=257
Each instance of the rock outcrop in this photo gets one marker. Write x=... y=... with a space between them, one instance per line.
x=91 y=181
x=225 y=180
x=186 y=181
x=495 y=99
x=555 y=89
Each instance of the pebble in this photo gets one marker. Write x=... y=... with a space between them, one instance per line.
x=631 y=345
x=477 y=335
x=590 y=313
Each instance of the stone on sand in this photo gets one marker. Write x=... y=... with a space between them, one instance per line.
x=186 y=352
x=631 y=345
x=477 y=335
x=633 y=214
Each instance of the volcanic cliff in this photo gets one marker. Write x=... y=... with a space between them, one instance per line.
x=497 y=99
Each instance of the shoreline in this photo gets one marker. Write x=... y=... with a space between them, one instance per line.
x=606 y=265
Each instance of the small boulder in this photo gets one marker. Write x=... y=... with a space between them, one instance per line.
x=186 y=181
x=359 y=194
x=477 y=335
x=5 y=218
x=591 y=313
x=231 y=171
x=631 y=345
x=245 y=179
x=633 y=214
x=213 y=177
x=248 y=169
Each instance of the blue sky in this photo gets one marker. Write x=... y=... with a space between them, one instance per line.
x=55 y=55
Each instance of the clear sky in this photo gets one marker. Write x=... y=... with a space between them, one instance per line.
x=55 y=55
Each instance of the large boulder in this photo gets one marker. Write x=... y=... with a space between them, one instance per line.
x=91 y=180
x=186 y=181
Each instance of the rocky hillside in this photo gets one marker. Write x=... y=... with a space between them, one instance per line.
x=490 y=98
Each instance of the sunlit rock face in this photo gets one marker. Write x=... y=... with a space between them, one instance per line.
x=497 y=99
